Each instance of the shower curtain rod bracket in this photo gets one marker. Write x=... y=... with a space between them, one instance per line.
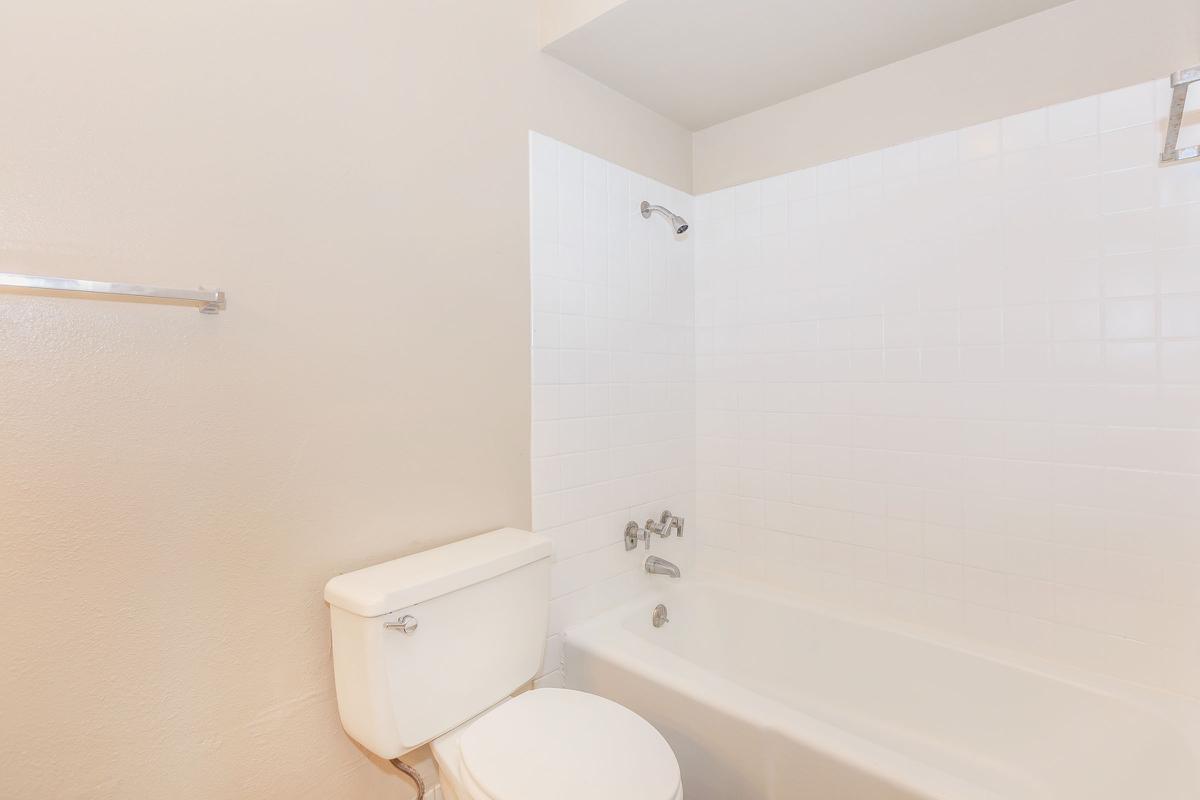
x=1180 y=81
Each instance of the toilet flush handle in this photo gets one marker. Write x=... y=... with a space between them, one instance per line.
x=406 y=624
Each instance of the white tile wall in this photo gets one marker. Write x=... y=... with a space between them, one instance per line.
x=956 y=381
x=613 y=374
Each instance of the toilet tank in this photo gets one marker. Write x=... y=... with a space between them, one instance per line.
x=481 y=608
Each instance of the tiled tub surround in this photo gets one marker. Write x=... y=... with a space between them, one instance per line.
x=613 y=434
x=957 y=381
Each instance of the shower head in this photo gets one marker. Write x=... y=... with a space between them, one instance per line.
x=678 y=223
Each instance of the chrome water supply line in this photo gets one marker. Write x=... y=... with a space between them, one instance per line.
x=413 y=775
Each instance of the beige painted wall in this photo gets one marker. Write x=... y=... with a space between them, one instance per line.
x=175 y=489
x=1074 y=50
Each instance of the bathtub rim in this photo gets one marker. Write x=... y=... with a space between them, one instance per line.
x=605 y=636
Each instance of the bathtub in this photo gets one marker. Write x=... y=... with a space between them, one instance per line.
x=762 y=696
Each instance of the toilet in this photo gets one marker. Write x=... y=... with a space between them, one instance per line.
x=430 y=649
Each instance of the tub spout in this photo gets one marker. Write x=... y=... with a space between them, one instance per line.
x=660 y=566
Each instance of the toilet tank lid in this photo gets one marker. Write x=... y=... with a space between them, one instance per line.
x=404 y=582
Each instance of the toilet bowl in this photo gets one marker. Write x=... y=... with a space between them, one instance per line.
x=430 y=648
x=550 y=744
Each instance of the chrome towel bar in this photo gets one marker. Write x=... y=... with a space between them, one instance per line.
x=211 y=301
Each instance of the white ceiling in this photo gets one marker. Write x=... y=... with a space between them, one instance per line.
x=700 y=62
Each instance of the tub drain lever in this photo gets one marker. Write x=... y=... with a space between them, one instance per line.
x=659 y=617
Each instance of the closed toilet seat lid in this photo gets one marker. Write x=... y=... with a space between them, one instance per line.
x=552 y=744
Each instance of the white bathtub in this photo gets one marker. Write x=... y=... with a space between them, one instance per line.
x=764 y=697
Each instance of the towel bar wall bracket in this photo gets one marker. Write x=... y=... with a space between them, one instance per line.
x=210 y=301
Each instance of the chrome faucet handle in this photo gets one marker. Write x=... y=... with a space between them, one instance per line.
x=632 y=533
x=669 y=521
x=661 y=528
